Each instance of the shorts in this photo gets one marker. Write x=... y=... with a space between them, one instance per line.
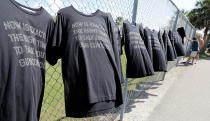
x=194 y=53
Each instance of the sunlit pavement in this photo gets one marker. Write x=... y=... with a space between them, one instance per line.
x=184 y=95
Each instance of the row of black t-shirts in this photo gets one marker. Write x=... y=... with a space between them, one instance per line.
x=149 y=51
x=88 y=46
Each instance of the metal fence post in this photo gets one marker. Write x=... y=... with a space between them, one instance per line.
x=135 y=6
x=174 y=29
x=124 y=99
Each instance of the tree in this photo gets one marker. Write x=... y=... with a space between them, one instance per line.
x=200 y=17
x=198 y=34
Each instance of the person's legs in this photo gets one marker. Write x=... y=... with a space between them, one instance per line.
x=194 y=54
x=193 y=58
x=188 y=60
x=197 y=57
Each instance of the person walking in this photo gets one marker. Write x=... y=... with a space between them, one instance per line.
x=195 y=49
x=201 y=44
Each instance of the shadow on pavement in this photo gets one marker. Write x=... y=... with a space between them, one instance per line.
x=140 y=93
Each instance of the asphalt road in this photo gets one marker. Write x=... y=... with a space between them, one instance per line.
x=188 y=98
x=184 y=95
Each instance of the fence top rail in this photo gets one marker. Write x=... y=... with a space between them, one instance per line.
x=181 y=13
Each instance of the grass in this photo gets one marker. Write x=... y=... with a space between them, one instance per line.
x=206 y=55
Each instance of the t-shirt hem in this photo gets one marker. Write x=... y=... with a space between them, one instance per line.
x=135 y=76
x=101 y=99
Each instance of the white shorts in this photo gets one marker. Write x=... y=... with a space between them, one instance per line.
x=194 y=53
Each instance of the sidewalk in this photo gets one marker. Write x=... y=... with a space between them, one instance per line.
x=184 y=95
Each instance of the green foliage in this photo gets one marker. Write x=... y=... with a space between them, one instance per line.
x=198 y=34
x=200 y=15
x=200 y=18
x=119 y=20
x=204 y=55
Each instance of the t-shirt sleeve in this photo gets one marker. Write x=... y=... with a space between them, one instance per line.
x=53 y=46
x=141 y=30
x=114 y=36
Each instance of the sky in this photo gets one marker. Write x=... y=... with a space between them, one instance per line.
x=181 y=4
x=147 y=12
x=185 y=4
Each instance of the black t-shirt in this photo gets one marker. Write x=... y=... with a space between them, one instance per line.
x=182 y=33
x=168 y=47
x=138 y=60
x=87 y=47
x=179 y=45
x=175 y=37
x=115 y=38
x=141 y=30
x=172 y=42
x=23 y=39
x=147 y=41
x=160 y=37
x=159 y=60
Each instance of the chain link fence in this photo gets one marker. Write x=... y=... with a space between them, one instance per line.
x=155 y=14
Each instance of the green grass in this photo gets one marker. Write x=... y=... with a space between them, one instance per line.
x=204 y=55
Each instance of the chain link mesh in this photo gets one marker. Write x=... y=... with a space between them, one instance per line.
x=155 y=14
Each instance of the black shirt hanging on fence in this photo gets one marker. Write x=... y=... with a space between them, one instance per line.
x=155 y=50
x=175 y=37
x=23 y=39
x=159 y=59
x=147 y=41
x=113 y=31
x=182 y=33
x=168 y=47
x=141 y=30
x=117 y=38
x=88 y=50
x=138 y=60
x=179 y=45
x=114 y=35
x=160 y=37
x=172 y=42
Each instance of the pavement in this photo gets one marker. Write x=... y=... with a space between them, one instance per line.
x=184 y=95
